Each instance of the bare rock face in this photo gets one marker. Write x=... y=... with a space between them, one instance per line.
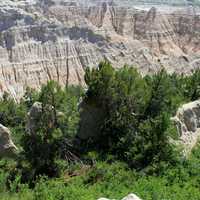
x=7 y=147
x=187 y=120
x=48 y=39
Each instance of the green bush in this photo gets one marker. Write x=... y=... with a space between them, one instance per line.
x=42 y=150
x=137 y=113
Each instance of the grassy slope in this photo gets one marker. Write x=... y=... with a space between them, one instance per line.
x=114 y=181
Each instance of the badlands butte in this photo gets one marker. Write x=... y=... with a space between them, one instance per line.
x=43 y=40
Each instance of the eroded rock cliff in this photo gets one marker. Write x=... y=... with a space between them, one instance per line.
x=43 y=40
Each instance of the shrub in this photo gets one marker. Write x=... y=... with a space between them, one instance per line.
x=137 y=113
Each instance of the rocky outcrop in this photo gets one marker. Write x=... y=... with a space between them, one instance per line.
x=44 y=40
x=7 y=147
x=103 y=199
x=33 y=118
x=129 y=197
x=187 y=121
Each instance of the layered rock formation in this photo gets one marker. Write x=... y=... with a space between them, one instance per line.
x=46 y=39
x=187 y=120
x=7 y=147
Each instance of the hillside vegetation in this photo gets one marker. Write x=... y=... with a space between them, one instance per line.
x=132 y=151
